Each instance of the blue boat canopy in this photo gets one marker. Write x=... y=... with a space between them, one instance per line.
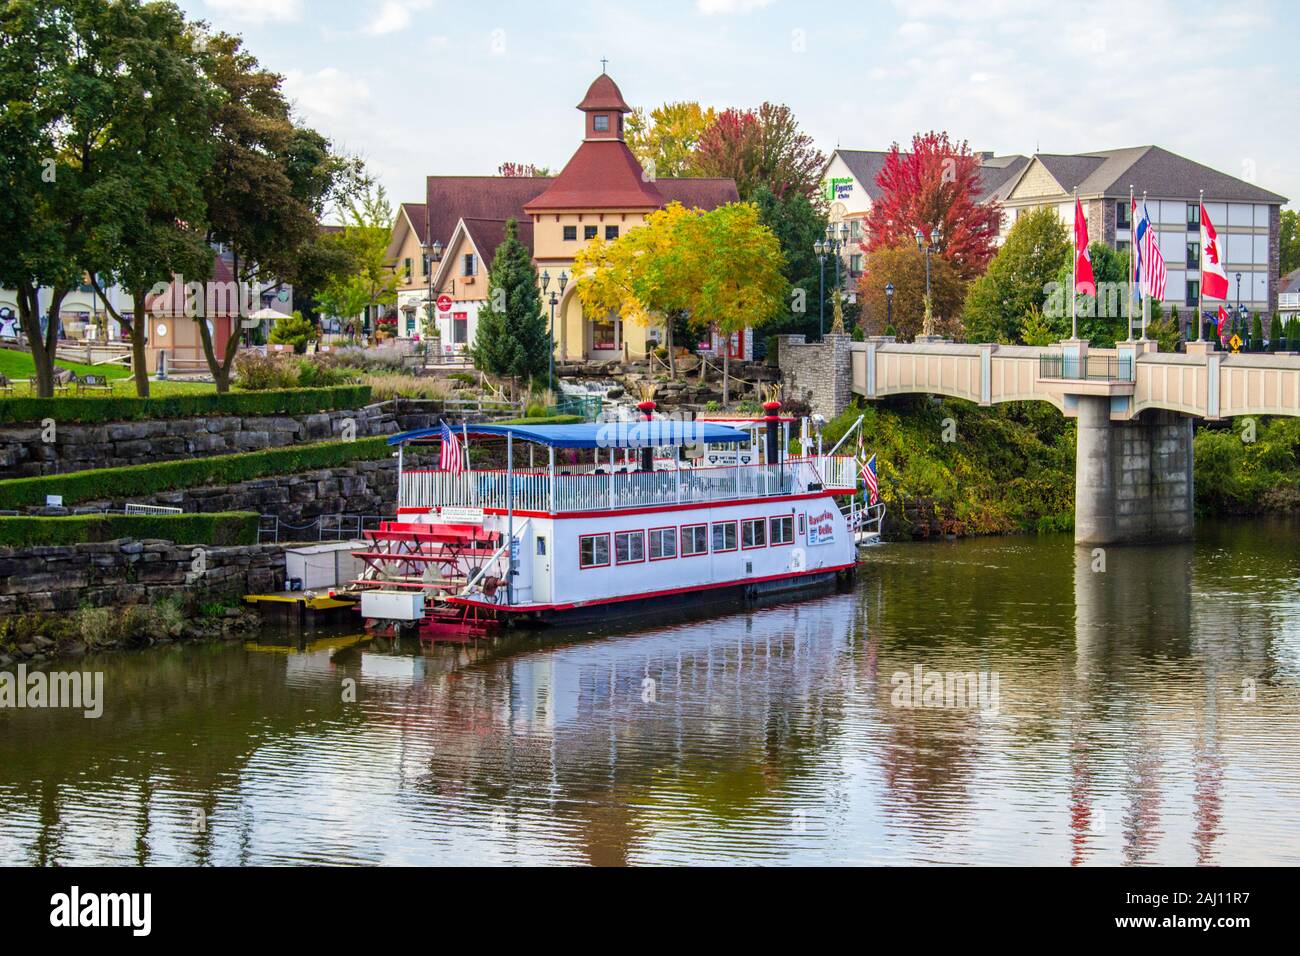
x=658 y=433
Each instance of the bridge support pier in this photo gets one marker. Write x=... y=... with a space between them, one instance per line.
x=1133 y=479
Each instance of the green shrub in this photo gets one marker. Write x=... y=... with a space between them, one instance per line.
x=133 y=481
x=292 y=401
x=293 y=330
x=259 y=373
x=217 y=528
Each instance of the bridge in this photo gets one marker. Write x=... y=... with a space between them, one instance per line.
x=1134 y=405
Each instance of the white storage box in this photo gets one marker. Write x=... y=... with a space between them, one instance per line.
x=393 y=605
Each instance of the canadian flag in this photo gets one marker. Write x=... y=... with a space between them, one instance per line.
x=1083 y=280
x=1214 y=280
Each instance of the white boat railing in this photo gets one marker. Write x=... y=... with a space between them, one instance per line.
x=534 y=490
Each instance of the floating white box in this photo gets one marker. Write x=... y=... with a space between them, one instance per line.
x=393 y=605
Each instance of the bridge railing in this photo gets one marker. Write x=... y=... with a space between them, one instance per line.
x=1093 y=368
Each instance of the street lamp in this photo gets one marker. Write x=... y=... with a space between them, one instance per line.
x=927 y=245
x=434 y=254
x=820 y=248
x=889 y=306
x=554 y=300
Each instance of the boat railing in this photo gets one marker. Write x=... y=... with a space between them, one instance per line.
x=534 y=490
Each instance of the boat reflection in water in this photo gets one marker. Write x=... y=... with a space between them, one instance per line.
x=1145 y=713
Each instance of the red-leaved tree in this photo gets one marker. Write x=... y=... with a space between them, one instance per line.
x=760 y=147
x=936 y=183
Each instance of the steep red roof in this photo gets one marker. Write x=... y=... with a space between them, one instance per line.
x=487 y=234
x=417 y=213
x=604 y=94
x=451 y=198
x=603 y=174
x=703 y=194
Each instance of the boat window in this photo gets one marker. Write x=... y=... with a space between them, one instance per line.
x=629 y=547
x=593 y=551
x=663 y=543
x=695 y=540
x=753 y=533
x=541 y=544
x=724 y=536
x=782 y=530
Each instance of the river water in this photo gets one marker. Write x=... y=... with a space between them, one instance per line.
x=1144 y=713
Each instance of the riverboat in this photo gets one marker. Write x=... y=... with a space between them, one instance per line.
x=625 y=516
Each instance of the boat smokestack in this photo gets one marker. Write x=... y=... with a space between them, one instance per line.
x=648 y=453
x=773 y=423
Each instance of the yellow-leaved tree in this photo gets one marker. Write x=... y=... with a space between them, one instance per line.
x=721 y=268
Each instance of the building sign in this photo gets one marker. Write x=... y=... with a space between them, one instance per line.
x=444 y=303
x=821 y=527
x=839 y=187
x=461 y=515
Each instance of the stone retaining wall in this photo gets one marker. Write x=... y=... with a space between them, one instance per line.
x=818 y=372
x=125 y=572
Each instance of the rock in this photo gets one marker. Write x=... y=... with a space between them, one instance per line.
x=27 y=650
x=42 y=642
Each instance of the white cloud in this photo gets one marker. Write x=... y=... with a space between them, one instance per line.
x=329 y=96
x=712 y=7
x=394 y=16
x=258 y=11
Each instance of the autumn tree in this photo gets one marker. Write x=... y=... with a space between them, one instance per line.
x=936 y=184
x=1018 y=279
x=372 y=280
x=761 y=147
x=513 y=170
x=665 y=141
x=903 y=265
x=1288 y=242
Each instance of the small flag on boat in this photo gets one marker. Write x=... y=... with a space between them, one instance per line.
x=451 y=459
x=869 y=476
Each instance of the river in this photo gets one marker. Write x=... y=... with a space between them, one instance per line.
x=1144 y=713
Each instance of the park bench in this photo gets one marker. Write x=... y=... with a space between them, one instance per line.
x=89 y=382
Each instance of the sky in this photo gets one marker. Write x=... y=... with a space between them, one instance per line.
x=420 y=87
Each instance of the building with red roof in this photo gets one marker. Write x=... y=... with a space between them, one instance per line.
x=601 y=192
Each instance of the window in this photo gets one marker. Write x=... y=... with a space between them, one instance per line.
x=600 y=122
x=801 y=525
x=570 y=233
x=724 y=536
x=460 y=328
x=1193 y=255
x=695 y=540
x=470 y=266
x=588 y=232
x=1121 y=215
x=663 y=543
x=1193 y=291
x=855 y=263
x=753 y=533
x=782 y=530
x=611 y=232
x=1193 y=217
x=406 y=268
x=593 y=551
x=629 y=547
x=541 y=545
x=424 y=264
x=855 y=228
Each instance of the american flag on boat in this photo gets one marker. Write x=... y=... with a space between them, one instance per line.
x=869 y=476
x=452 y=458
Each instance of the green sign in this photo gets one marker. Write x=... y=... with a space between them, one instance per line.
x=839 y=187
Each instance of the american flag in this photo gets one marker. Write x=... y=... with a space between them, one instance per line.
x=1153 y=262
x=869 y=475
x=451 y=459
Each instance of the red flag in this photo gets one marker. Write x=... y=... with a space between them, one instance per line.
x=1083 y=280
x=1223 y=324
x=1214 y=278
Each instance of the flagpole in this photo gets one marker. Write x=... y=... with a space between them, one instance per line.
x=1132 y=261
x=1200 y=283
x=1146 y=299
x=1074 y=268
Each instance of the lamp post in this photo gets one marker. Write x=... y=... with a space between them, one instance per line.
x=927 y=245
x=554 y=300
x=889 y=306
x=434 y=254
x=819 y=247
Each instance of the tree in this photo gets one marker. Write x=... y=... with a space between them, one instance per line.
x=935 y=185
x=903 y=265
x=1017 y=279
x=1289 y=242
x=368 y=219
x=665 y=143
x=1101 y=318
x=293 y=330
x=38 y=185
x=797 y=224
x=327 y=258
x=512 y=338
x=269 y=181
x=761 y=147
x=522 y=169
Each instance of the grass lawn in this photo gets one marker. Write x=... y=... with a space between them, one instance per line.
x=19 y=365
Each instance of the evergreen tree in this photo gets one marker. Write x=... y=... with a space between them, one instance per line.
x=1257 y=334
x=512 y=339
x=1274 y=333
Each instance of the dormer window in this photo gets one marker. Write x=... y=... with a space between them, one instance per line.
x=600 y=122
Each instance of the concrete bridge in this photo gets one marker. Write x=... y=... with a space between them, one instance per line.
x=1134 y=405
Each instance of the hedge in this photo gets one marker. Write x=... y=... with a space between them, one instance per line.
x=552 y=420
x=285 y=401
x=134 y=481
x=217 y=528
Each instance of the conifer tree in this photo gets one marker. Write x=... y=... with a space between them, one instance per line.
x=512 y=337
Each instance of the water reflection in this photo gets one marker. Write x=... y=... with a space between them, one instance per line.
x=1147 y=714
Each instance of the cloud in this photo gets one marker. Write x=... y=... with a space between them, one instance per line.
x=394 y=16
x=714 y=7
x=258 y=11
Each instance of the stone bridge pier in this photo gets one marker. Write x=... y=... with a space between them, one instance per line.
x=1133 y=478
